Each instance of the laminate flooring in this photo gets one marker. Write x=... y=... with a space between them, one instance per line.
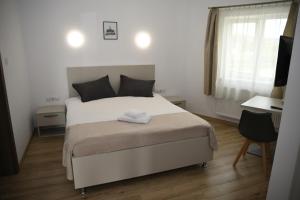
x=42 y=176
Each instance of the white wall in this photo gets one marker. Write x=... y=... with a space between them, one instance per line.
x=177 y=29
x=45 y=24
x=16 y=74
x=288 y=144
x=295 y=192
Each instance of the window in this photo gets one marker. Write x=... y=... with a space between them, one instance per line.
x=248 y=39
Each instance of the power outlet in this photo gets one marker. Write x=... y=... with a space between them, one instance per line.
x=52 y=99
x=160 y=91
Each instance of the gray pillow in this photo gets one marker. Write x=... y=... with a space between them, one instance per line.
x=135 y=87
x=94 y=90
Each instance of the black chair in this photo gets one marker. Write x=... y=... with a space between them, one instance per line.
x=257 y=128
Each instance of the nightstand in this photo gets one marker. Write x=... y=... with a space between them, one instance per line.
x=51 y=119
x=178 y=101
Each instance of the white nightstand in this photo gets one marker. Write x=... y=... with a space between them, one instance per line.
x=51 y=117
x=178 y=101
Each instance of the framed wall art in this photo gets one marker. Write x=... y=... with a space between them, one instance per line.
x=110 y=30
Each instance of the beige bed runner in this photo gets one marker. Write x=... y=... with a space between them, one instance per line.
x=102 y=137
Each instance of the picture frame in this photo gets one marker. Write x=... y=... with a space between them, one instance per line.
x=110 y=30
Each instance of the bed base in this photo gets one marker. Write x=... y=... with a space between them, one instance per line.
x=119 y=165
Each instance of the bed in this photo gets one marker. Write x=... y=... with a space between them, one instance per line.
x=100 y=149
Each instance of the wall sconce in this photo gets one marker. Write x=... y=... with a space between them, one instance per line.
x=143 y=40
x=75 y=38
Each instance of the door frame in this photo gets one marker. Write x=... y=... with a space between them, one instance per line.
x=8 y=154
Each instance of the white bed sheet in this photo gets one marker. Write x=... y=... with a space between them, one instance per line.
x=109 y=109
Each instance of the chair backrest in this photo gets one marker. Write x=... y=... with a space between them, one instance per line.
x=257 y=126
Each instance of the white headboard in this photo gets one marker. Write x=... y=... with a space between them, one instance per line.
x=83 y=74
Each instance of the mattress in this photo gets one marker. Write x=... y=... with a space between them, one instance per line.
x=92 y=127
x=109 y=109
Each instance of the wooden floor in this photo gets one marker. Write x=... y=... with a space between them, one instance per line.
x=43 y=177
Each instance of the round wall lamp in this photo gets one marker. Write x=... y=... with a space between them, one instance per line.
x=75 y=38
x=143 y=40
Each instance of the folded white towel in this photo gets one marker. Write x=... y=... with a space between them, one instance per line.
x=142 y=120
x=135 y=114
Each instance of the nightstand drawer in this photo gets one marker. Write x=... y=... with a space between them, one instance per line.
x=51 y=119
x=180 y=104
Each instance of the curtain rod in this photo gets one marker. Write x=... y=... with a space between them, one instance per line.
x=252 y=4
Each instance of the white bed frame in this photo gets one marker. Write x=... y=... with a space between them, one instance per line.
x=125 y=164
x=119 y=165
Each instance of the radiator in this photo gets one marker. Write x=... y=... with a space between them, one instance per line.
x=276 y=117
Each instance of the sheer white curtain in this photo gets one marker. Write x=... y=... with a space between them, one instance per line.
x=247 y=49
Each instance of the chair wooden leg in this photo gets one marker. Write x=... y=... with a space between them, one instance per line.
x=269 y=158
x=264 y=158
x=240 y=153
x=268 y=151
x=246 y=148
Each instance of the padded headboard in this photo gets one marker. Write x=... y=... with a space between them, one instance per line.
x=83 y=74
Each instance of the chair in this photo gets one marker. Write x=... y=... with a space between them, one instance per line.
x=257 y=128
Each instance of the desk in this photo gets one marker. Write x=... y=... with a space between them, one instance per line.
x=263 y=104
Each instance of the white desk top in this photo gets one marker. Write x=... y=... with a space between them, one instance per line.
x=264 y=103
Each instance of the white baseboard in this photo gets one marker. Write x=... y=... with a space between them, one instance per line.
x=228 y=117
